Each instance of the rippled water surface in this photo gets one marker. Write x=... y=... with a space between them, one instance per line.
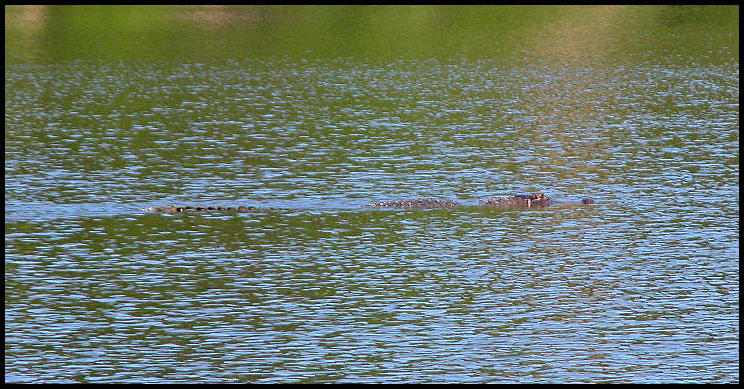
x=640 y=287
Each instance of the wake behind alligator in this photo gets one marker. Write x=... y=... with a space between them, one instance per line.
x=534 y=200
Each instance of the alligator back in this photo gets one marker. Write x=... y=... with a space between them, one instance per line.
x=178 y=209
x=416 y=203
x=534 y=200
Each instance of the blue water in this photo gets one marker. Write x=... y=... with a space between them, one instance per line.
x=641 y=287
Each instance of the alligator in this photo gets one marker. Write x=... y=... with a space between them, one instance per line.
x=534 y=200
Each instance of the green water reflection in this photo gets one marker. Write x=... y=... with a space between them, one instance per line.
x=562 y=33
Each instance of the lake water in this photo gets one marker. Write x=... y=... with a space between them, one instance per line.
x=318 y=111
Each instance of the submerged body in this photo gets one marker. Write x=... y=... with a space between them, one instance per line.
x=534 y=200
